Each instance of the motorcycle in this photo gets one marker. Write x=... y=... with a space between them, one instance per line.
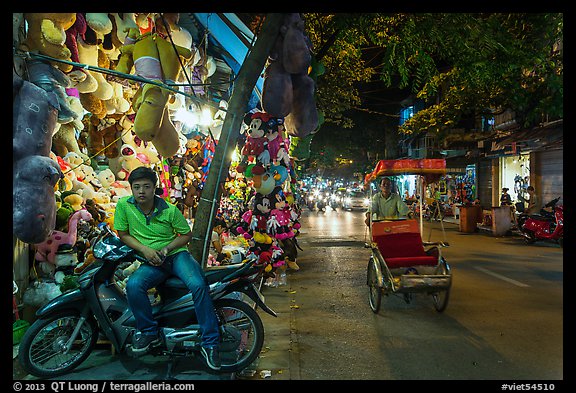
x=321 y=204
x=548 y=225
x=67 y=328
x=334 y=202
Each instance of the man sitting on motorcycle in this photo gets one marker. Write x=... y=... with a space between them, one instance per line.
x=158 y=231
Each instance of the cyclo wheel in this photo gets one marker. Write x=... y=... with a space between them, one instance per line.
x=440 y=298
x=42 y=350
x=374 y=290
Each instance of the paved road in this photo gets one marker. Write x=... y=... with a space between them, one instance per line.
x=504 y=320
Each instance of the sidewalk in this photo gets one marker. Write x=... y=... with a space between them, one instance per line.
x=274 y=362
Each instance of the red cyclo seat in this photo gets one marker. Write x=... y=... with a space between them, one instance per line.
x=400 y=244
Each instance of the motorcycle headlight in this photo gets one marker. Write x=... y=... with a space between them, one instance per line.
x=348 y=200
x=366 y=201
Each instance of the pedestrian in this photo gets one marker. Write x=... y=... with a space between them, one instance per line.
x=387 y=204
x=158 y=231
x=534 y=204
x=216 y=241
x=505 y=198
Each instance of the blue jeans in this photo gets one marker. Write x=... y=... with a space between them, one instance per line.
x=185 y=267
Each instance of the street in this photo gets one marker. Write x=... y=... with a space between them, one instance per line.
x=504 y=319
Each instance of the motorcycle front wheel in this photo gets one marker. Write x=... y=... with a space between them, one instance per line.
x=242 y=334
x=42 y=351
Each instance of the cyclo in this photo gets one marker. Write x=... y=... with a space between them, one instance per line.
x=401 y=262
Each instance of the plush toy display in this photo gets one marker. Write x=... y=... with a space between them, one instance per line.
x=47 y=35
x=154 y=58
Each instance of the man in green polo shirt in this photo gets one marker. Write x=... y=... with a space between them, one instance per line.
x=158 y=231
x=387 y=204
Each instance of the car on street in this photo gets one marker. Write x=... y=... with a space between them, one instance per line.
x=355 y=200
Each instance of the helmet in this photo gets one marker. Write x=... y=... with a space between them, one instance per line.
x=111 y=248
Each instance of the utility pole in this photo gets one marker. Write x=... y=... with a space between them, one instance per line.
x=245 y=82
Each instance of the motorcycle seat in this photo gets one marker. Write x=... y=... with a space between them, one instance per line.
x=541 y=217
x=212 y=275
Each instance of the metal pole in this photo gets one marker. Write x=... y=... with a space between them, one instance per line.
x=247 y=77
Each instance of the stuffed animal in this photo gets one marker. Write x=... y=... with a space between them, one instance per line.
x=288 y=91
x=276 y=142
x=34 y=173
x=142 y=147
x=64 y=140
x=89 y=54
x=74 y=200
x=51 y=79
x=121 y=25
x=47 y=35
x=117 y=104
x=256 y=146
x=115 y=189
x=280 y=219
x=46 y=251
x=130 y=160
x=303 y=118
x=155 y=58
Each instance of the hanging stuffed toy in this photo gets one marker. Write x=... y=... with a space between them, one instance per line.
x=34 y=173
x=46 y=35
x=276 y=143
x=255 y=149
x=156 y=59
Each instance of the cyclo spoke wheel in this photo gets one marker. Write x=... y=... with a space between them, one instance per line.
x=440 y=298
x=375 y=291
x=42 y=350
x=242 y=334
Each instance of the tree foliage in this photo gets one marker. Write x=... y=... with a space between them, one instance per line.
x=460 y=64
x=464 y=64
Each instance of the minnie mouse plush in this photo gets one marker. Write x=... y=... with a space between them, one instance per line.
x=279 y=222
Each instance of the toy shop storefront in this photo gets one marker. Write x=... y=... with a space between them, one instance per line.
x=67 y=181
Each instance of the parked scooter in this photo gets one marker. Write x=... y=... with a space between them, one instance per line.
x=67 y=328
x=548 y=225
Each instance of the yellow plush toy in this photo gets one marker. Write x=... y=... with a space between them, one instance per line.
x=89 y=54
x=74 y=200
x=154 y=58
x=47 y=35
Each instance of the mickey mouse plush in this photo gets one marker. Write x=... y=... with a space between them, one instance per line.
x=256 y=146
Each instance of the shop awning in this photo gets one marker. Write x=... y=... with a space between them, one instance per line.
x=229 y=37
x=540 y=138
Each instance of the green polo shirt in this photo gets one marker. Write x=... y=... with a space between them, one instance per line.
x=156 y=231
x=391 y=207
